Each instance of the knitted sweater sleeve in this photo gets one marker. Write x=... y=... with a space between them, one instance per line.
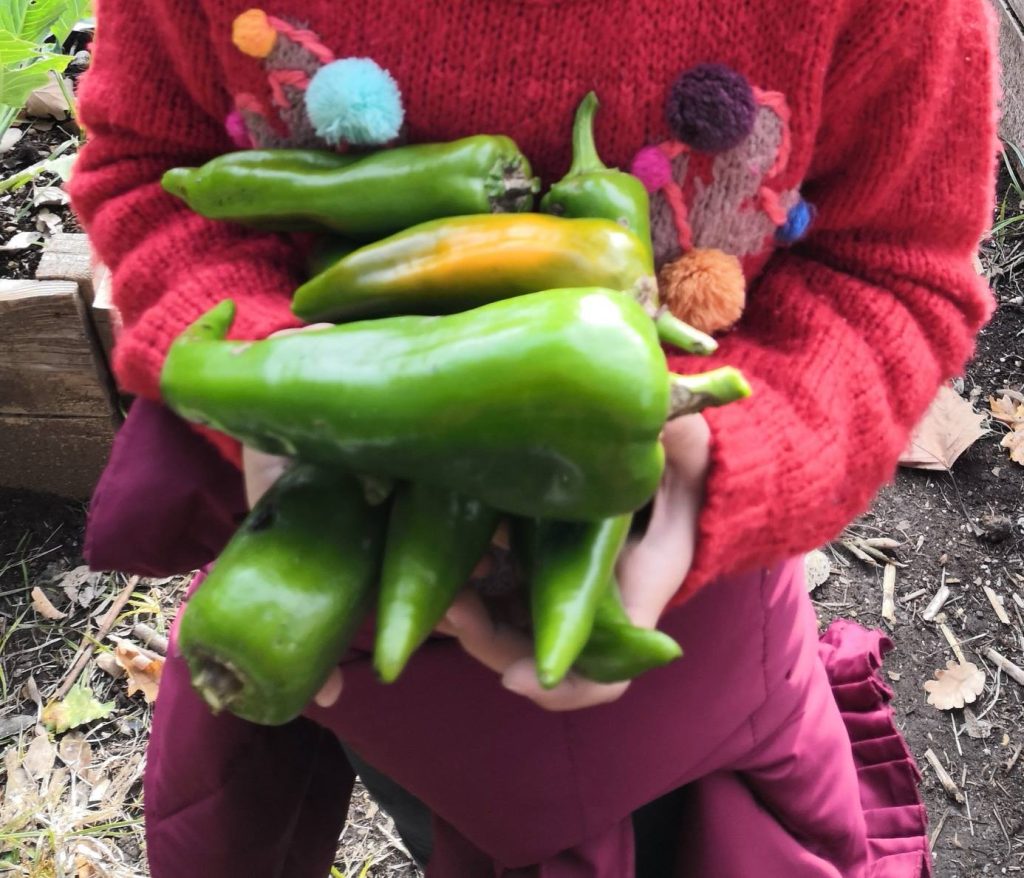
x=847 y=337
x=168 y=265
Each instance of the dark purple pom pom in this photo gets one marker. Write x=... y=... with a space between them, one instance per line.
x=711 y=108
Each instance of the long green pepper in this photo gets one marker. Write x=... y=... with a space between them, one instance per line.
x=435 y=538
x=362 y=197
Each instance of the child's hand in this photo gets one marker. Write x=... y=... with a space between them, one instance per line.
x=650 y=570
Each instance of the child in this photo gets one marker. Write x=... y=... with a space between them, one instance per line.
x=871 y=122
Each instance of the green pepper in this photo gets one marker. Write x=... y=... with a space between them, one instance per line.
x=435 y=538
x=549 y=404
x=568 y=566
x=619 y=650
x=285 y=596
x=592 y=189
x=361 y=197
x=457 y=263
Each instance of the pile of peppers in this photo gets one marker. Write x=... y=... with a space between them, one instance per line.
x=487 y=365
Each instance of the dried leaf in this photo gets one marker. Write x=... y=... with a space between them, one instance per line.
x=1015 y=442
x=40 y=757
x=1006 y=409
x=75 y=751
x=976 y=728
x=79 y=707
x=143 y=669
x=948 y=429
x=959 y=684
x=20 y=241
x=48 y=222
x=48 y=101
x=10 y=137
x=79 y=585
x=41 y=604
x=50 y=195
x=817 y=568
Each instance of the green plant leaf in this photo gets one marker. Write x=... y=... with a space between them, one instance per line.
x=79 y=707
x=16 y=84
x=12 y=15
x=74 y=12
x=40 y=18
x=14 y=50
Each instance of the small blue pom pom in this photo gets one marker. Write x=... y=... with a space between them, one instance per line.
x=354 y=101
x=799 y=220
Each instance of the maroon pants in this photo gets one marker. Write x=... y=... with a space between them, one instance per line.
x=783 y=748
x=748 y=721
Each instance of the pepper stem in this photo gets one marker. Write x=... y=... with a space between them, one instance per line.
x=694 y=393
x=217 y=682
x=585 y=159
x=213 y=325
x=675 y=332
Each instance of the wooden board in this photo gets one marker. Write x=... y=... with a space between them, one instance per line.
x=62 y=456
x=49 y=362
x=1011 y=57
x=68 y=256
x=56 y=408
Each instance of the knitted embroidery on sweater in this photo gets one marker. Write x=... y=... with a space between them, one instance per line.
x=715 y=211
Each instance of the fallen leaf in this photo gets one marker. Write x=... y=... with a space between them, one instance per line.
x=817 y=568
x=957 y=685
x=80 y=578
x=10 y=137
x=40 y=757
x=948 y=429
x=41 y=604
x=75 y=751
x=50 y=195
x=1006 y=409
x=48 y=222
x=48 y=101
x=143 y=670
x=79 y=707
x=20 y=241
x=1015 y=442
x=976 y=728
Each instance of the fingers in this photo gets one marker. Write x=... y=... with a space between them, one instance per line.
x=496 y=646
x=260 y=471
x=573 y=693
x=331 y=689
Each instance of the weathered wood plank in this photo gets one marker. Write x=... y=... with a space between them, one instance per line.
x=104 y=315
x=68 y=256
x=62 y=456
x=1011 y=57
x=49 y=361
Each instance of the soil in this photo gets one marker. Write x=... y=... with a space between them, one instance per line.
x=963 y=528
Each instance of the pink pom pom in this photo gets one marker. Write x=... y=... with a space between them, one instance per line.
x=652 y=167
x=237 y=131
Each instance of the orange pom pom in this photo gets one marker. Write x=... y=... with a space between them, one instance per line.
x=705 y=288
x=253 y=34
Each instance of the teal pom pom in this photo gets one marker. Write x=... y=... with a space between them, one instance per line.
x=354 y=101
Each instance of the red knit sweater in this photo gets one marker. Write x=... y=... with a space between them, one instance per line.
x=846 y=335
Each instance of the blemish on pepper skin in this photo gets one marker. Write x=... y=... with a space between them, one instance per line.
x=241 y=348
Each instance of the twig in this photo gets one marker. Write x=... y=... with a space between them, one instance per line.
x=956 y=734
x=948 y=784
x=932 y=610
x=1012 y=761
x=997 y=605
x=1009 y=668
x=1009 y=847
x=150 y=638
x=995 y=697
x=889 y=593
x=913 y=596
x=89 y=643
x=937 y=831
x=953 y=642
